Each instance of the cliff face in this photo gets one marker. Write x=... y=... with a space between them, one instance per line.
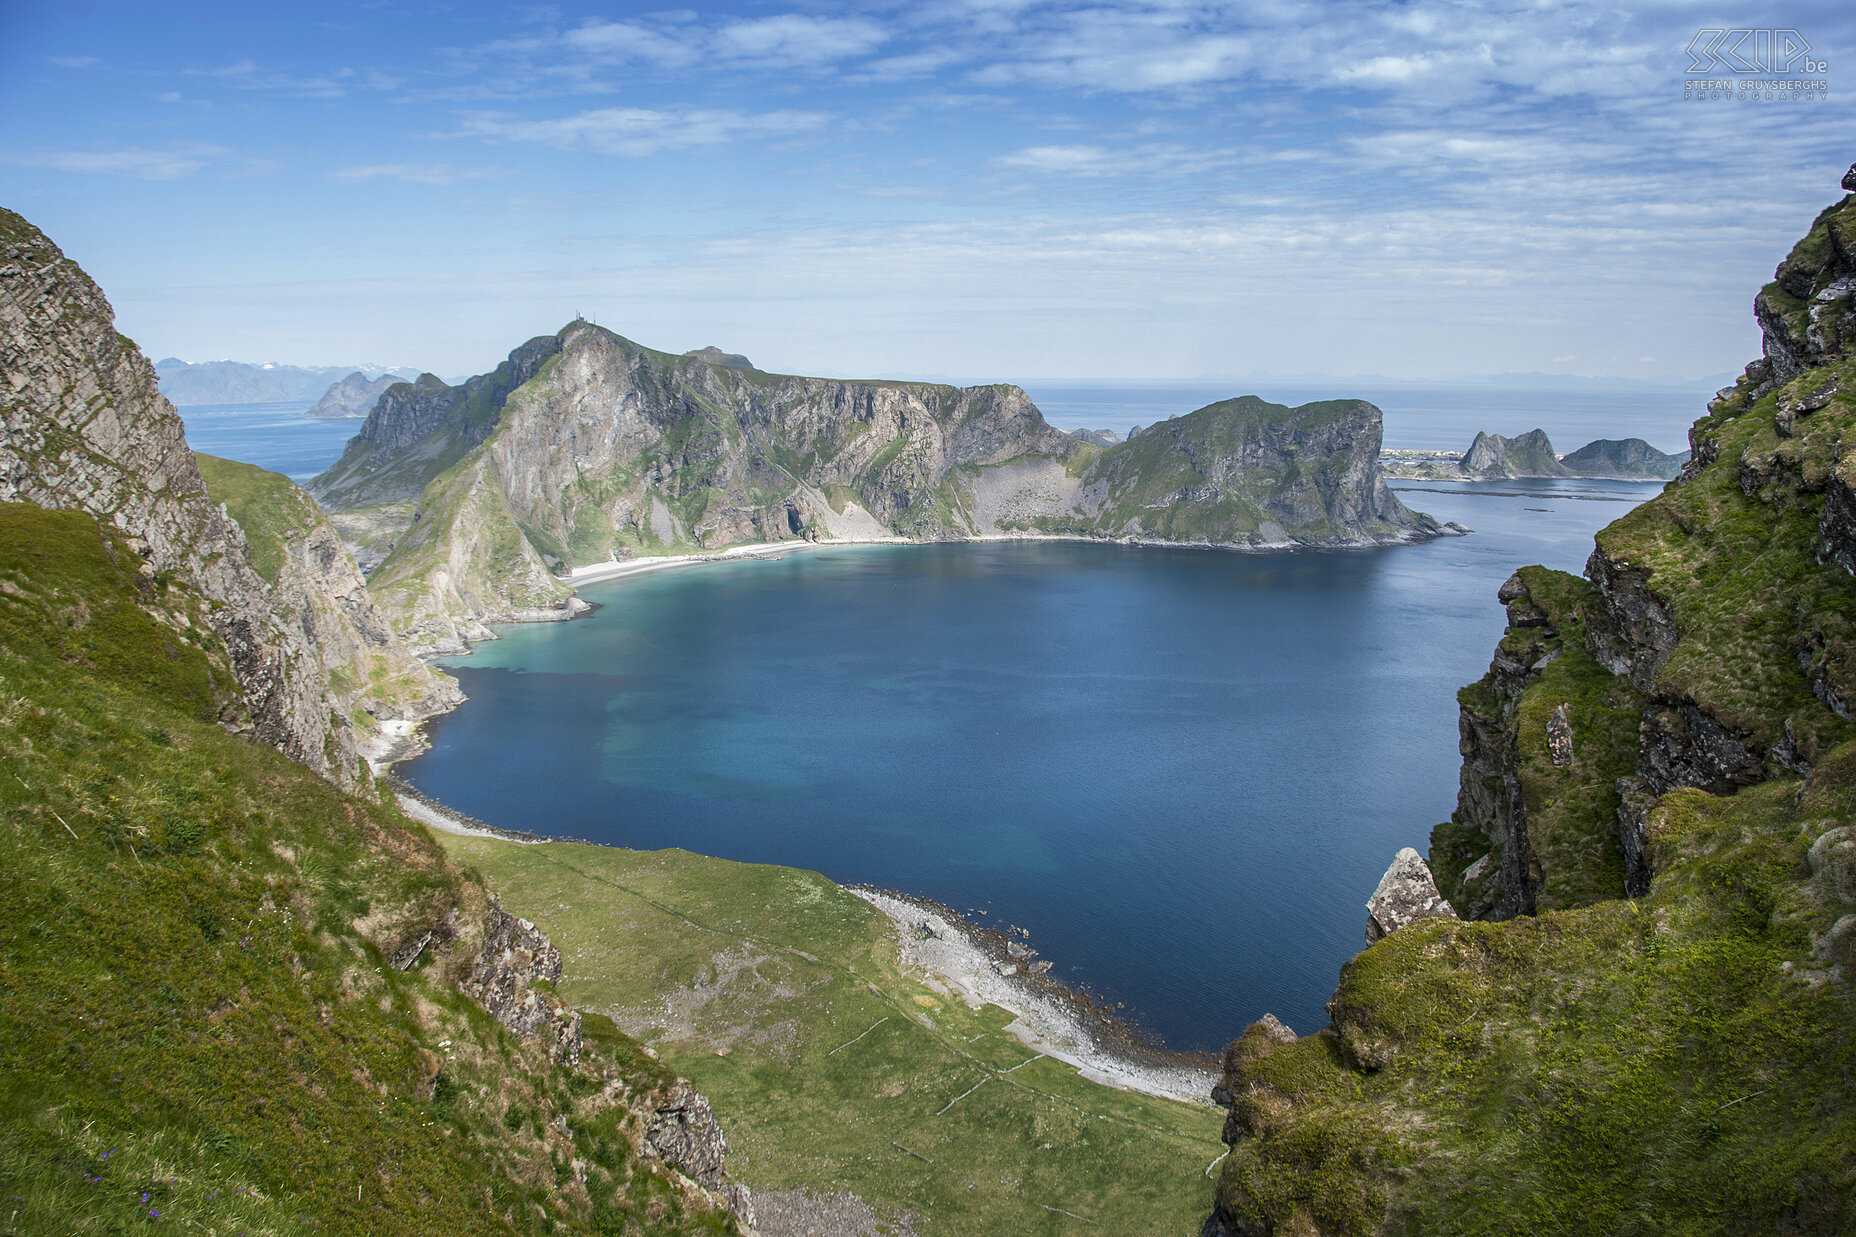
x=418 y=430
x=1658 y=785
x=607 y=450
x=87 y=430
x=316 y=587
x=1248 y=472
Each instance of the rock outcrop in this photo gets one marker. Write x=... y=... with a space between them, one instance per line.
x=1492 y=457
x=585 y=448
x=514 y=959
x=1406 y=893
x=353 y=396
x=685 y=1135
x=87 y=429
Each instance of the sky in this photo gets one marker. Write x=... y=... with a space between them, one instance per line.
x=985 y=190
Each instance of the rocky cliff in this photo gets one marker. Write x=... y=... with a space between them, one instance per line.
x=1241 y=472
x=1643 y=1021
x=87 y=430
x=315 y=586
x=1492 y=457
x=586 y=448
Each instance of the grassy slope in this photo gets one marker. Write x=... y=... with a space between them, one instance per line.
x=1145 y=473
x=267 y=505
x=194 y=1014
x=784 y=969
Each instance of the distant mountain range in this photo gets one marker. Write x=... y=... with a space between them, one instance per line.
x=246 y=382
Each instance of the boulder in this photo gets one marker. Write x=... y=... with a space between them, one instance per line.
x=1406 y=894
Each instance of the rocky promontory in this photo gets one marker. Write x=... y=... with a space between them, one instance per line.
x=1643 y=1020
x=585 y=448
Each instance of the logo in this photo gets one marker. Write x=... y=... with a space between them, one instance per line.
x=1752 y=51
x=1747 y=66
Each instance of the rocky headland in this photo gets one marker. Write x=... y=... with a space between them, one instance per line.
x=585 y=449
x=1623 y=1005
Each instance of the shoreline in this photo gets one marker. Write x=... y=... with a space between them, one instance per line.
x=1052 y=1019
x=598 y=572
x=959 y=958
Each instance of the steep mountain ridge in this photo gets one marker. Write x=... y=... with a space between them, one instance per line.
x=1644 y=1020
x=607 y=450
x=86 y=429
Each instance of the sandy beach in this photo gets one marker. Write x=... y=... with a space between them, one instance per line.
x=776 y=549
x=951 y=955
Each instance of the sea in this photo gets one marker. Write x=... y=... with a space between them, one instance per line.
x=1182 y=771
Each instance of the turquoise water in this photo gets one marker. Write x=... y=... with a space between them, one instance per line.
x=1183 y=771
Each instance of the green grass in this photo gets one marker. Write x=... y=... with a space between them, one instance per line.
x=195 y=1011
x=267 y=505
x=821 y=1055
x=1663 y=1066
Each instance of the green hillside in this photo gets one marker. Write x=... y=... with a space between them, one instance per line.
x=198 y=1017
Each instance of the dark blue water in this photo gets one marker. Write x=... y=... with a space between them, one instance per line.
x=1184 y=771
x=274 y=436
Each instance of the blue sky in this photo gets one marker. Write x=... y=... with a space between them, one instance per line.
x=979 y=189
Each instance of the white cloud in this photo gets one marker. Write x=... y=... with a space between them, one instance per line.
x=73 y=62
x=637 y=131
x=621 y=41
x=1085 y=160
x=414 y=173
x=173 y=163
x=792 y=39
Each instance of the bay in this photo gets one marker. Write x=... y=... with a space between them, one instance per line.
x=1182 y=770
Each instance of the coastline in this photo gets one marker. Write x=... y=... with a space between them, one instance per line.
x=597 y=572
x=961 y=959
